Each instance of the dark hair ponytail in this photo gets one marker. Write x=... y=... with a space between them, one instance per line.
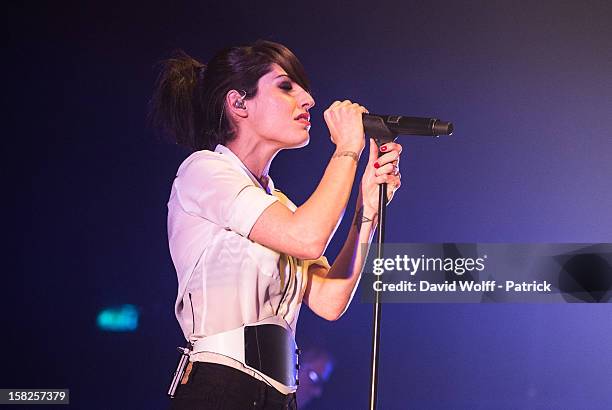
x=172 y=109
x=188 y=102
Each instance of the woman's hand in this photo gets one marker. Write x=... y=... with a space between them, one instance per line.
x=378 y=171
x=345 y=122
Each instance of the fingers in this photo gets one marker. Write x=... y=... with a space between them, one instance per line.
x=390 y=152
x=345 y=123
x=346 y=104
x=391 y=146
x=394 y=181
x=391 y=157
x=373 y=152
x=393 y=186
x=388 y=163
x=389 y=168
x=385 y=166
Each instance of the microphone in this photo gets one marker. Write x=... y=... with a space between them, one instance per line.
x=390 y=126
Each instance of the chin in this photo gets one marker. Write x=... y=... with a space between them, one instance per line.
x=304 y=143
x=300 y=143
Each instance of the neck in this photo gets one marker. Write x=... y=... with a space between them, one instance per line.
x=255 y=155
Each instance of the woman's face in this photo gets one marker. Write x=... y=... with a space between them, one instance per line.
x=279 y=112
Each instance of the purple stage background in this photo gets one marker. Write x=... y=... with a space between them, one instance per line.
x=528 y=86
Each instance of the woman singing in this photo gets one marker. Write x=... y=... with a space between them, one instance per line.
x=245 y=255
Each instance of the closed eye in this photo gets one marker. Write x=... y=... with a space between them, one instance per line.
x=286 y=85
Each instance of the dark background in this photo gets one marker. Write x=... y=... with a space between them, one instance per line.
x=527 y=84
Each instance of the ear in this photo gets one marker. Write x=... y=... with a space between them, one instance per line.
x=230 y=104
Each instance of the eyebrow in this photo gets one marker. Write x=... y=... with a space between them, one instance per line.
x=282 y=75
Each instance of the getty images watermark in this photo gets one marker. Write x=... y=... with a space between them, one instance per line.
x=457 y=266
x=478 y=272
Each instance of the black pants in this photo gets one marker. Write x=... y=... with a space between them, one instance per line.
x=217 y=387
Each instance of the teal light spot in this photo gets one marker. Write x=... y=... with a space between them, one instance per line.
x=118 y=319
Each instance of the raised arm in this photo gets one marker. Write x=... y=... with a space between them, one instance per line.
x=306 y=232
x=329 y=291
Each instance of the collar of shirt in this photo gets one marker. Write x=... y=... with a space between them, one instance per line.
x=222 y=149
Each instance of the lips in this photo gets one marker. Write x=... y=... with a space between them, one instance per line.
x=303 y=116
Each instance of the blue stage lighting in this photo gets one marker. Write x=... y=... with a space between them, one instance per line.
x=118 y=319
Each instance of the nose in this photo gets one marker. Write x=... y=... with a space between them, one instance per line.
x=307 y=102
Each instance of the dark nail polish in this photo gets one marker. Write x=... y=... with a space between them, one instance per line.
x=383 y=148
x=376 y=165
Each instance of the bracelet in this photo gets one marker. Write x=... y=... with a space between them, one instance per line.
x=351 y=154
